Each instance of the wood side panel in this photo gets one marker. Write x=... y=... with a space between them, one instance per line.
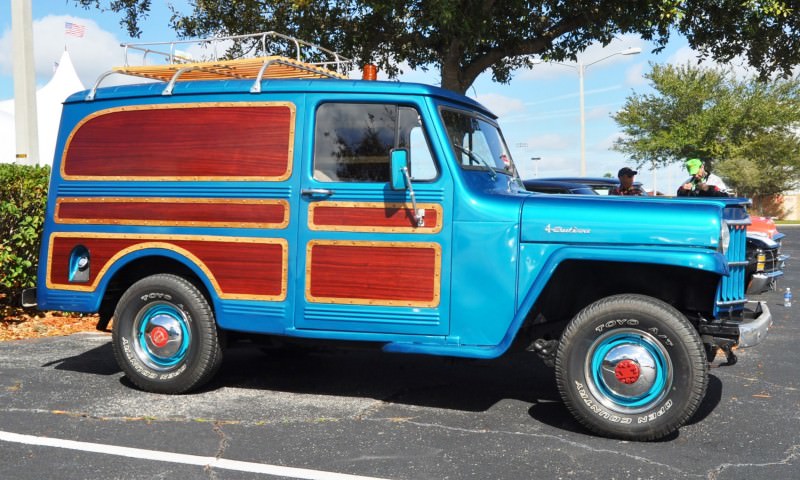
x=196 y=212
x=338 y=216
x=237 y=268
x=176 y=141
x=242 y=268
x=100 y=250
x=383 y=274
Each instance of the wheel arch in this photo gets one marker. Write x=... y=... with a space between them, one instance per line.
x=684 y=288
x=574 y=278
x=143 y=263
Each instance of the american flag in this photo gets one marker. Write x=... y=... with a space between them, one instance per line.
x=74 y=29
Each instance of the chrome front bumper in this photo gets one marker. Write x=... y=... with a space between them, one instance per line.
x=763 y=282
x=756 y=323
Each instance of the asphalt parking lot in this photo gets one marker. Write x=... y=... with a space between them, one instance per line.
x=67 y=412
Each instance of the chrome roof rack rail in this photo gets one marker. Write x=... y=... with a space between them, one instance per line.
x=181 y=66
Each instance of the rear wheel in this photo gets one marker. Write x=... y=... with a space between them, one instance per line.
x=631 y=367
x=164 y=335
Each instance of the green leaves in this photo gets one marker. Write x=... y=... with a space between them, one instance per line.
x=23 y=196
x=743 y=129
x=464 y=38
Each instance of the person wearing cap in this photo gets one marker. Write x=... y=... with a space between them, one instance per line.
x=626 y=186
x=701 y=183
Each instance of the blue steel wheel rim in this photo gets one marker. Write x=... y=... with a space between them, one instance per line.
x=628 y=371
x=161 y=336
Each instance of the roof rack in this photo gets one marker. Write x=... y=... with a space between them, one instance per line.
x=180 y=66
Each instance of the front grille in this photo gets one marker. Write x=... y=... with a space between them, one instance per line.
x=730 y=293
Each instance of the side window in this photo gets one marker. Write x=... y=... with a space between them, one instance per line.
x=421 y=163
x=352 y=142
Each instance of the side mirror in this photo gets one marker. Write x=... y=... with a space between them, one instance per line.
x=401 y=180
x=399 y=165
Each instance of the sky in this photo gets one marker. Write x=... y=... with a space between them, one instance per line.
x=538 y=110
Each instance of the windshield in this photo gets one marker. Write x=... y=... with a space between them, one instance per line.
x=477 y=143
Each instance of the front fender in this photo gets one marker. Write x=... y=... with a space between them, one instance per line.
x=538 y=262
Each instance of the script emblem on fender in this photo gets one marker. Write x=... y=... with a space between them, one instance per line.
x=560 y=229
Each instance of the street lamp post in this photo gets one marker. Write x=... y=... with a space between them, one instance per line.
x=535 y=161
x=581 y=68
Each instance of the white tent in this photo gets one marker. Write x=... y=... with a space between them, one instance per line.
x=49 y=98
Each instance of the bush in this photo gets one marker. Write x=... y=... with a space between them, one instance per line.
x=23 y=196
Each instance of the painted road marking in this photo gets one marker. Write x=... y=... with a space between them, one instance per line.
x=155 y=455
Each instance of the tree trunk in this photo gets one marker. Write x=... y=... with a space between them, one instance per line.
x=451 y=69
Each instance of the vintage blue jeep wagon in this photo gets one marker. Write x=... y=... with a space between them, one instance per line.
x=276 y=197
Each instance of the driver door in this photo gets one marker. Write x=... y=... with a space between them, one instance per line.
x=369 y=266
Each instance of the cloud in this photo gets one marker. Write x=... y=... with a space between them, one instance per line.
x=634 y=75
x=608 y=142
x=549 y=142
x=594 y=53
x=94 y=53
x=685 y=55
x=599 y=111
x=501 y=105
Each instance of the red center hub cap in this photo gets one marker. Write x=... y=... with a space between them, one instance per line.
x=627 y=371
x=159 y=336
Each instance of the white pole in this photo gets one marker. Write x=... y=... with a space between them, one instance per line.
x=581 y=69
x=27 y=146
x=583 y=123
x=655 y=183
x=535 y=161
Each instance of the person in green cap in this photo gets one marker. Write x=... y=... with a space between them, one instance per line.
x=701 y=183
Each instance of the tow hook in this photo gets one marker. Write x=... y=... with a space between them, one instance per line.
x=546 y=349
x=714 y=344
x=730 y=357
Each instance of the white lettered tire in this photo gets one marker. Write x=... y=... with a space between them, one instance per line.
x=164 y=335
x=631 y=367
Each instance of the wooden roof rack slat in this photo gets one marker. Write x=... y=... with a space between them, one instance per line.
x=181 y=69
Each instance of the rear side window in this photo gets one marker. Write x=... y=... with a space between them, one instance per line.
x=352 y=142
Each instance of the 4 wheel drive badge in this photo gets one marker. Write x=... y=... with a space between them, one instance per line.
x=159 y=336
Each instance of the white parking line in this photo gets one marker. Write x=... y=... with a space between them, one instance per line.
x=155 y=455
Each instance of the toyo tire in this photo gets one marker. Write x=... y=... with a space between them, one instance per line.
x=631 y=367
x=164 y=335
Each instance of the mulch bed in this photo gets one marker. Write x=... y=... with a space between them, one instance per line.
x=19 y=324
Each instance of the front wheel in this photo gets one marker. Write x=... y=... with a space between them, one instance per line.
x=164 y=335
x=631 y=367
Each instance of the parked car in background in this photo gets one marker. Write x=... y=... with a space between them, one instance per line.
x=765 y=262
x=765 y=226
x=556 y=186
x=600 y=185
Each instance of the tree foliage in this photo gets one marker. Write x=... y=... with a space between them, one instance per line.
x=745 y=130
x=464 y=38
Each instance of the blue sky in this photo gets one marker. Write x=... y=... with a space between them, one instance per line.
x=539 y=110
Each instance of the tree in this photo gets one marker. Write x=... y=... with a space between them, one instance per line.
x=745 y=130
x=464 y=38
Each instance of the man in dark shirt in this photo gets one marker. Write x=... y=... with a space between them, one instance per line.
x=626 y=186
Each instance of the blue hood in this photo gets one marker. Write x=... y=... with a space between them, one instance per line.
x=575 y=219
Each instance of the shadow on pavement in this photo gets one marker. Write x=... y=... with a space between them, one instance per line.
x=452 y=383
x=97 y=361
x=438 y=382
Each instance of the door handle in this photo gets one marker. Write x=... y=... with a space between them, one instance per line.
x=316 y=192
